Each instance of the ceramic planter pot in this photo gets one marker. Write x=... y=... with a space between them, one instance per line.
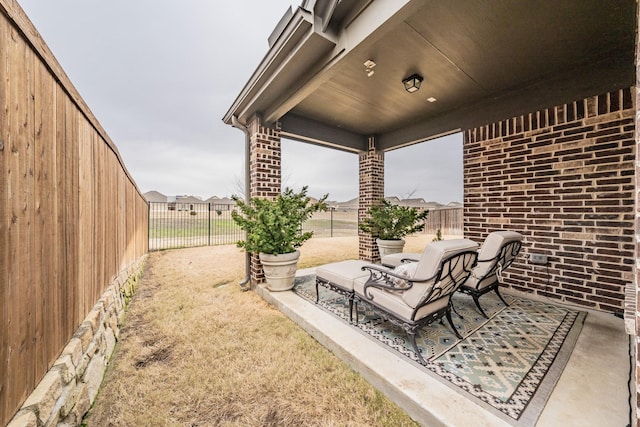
x=280 y=270
x=387 y=247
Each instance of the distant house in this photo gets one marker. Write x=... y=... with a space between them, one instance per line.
x=349 y=204
x=224 y=204
x=332 y=204
x=185 y=203
x=420 y=203
x=393 y=199
x=155 y=197
x=157 y=201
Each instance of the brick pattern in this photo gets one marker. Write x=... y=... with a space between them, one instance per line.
x=371 y=192
x=265 y=171
x=564 y=178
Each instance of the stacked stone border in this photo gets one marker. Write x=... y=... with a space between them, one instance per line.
x=67 y=391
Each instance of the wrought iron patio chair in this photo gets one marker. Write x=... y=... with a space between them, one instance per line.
x=395 y=260
x=498 y=251
x=422 y=296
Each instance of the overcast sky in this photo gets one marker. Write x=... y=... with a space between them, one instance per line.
x=160 y=75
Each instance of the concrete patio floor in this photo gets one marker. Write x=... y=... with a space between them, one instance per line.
x=592 y=390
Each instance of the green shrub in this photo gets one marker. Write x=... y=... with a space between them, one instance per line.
x=275 y=226
x=392 y=222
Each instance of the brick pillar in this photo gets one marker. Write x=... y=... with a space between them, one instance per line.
x=371 y=192
x=265 y=171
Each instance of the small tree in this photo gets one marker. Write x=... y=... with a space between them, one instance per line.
x=392 y=222
x=275 y=226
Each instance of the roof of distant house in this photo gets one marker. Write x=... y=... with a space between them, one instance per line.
x=155 y=197
x=188 y=199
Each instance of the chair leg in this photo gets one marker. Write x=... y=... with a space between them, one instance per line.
x=456 y=311
x=355 y=303
x=351 y=309
x=412 y=338
x=317 y=292
x=452 y=325
x=500 y=296
x=476 y=299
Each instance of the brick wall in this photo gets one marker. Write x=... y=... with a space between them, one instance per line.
x=265 y=170
x=371 y=192
x=563 y=177
x=632 y=318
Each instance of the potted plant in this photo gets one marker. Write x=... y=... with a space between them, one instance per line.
x=274 y=232
x=391 y=223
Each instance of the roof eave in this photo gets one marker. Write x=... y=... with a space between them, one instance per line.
x=296 y=31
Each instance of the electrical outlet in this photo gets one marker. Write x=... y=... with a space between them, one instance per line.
x=537 y=259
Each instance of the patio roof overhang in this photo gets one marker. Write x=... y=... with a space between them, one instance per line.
x=481 y=61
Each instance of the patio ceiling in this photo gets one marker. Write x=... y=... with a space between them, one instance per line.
x=482 y=61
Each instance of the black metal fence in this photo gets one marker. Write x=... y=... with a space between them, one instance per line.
x=191 y=224
x=175 y=225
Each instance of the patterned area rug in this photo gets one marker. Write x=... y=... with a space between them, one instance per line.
x=508 y=363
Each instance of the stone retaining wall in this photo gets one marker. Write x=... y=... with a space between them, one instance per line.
x=68 y=389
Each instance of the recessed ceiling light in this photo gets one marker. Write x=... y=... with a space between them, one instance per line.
x=431 y=99
x=368 y=67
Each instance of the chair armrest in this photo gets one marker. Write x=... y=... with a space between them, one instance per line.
x=382 y=278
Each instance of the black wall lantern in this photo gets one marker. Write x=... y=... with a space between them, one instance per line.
x=412 y=83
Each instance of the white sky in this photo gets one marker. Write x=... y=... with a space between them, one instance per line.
x=160 y=75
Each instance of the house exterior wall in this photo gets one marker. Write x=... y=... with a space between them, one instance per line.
x=265 y=171
x=564 y=177
x=632 y=316
x=371 y=175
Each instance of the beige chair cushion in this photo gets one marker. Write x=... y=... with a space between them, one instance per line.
x=395 y=260
x=343 y=273
x=393 y=302
x=489 y=250
x=429 y=263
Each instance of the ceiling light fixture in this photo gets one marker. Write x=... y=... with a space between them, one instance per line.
x=412 y=83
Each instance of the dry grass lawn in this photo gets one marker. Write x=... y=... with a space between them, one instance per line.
x=195 y=350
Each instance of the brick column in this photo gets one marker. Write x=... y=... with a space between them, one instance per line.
x=371 y=192
x=265 y=171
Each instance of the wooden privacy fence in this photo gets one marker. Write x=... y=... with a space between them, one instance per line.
x=449 y=220
x=71 y=216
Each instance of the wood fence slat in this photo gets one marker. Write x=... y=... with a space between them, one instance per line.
x=47 y=279
x=58 y=297
x=7 y=401
x=84 y=210
x=18 y=311
x=73 y=294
